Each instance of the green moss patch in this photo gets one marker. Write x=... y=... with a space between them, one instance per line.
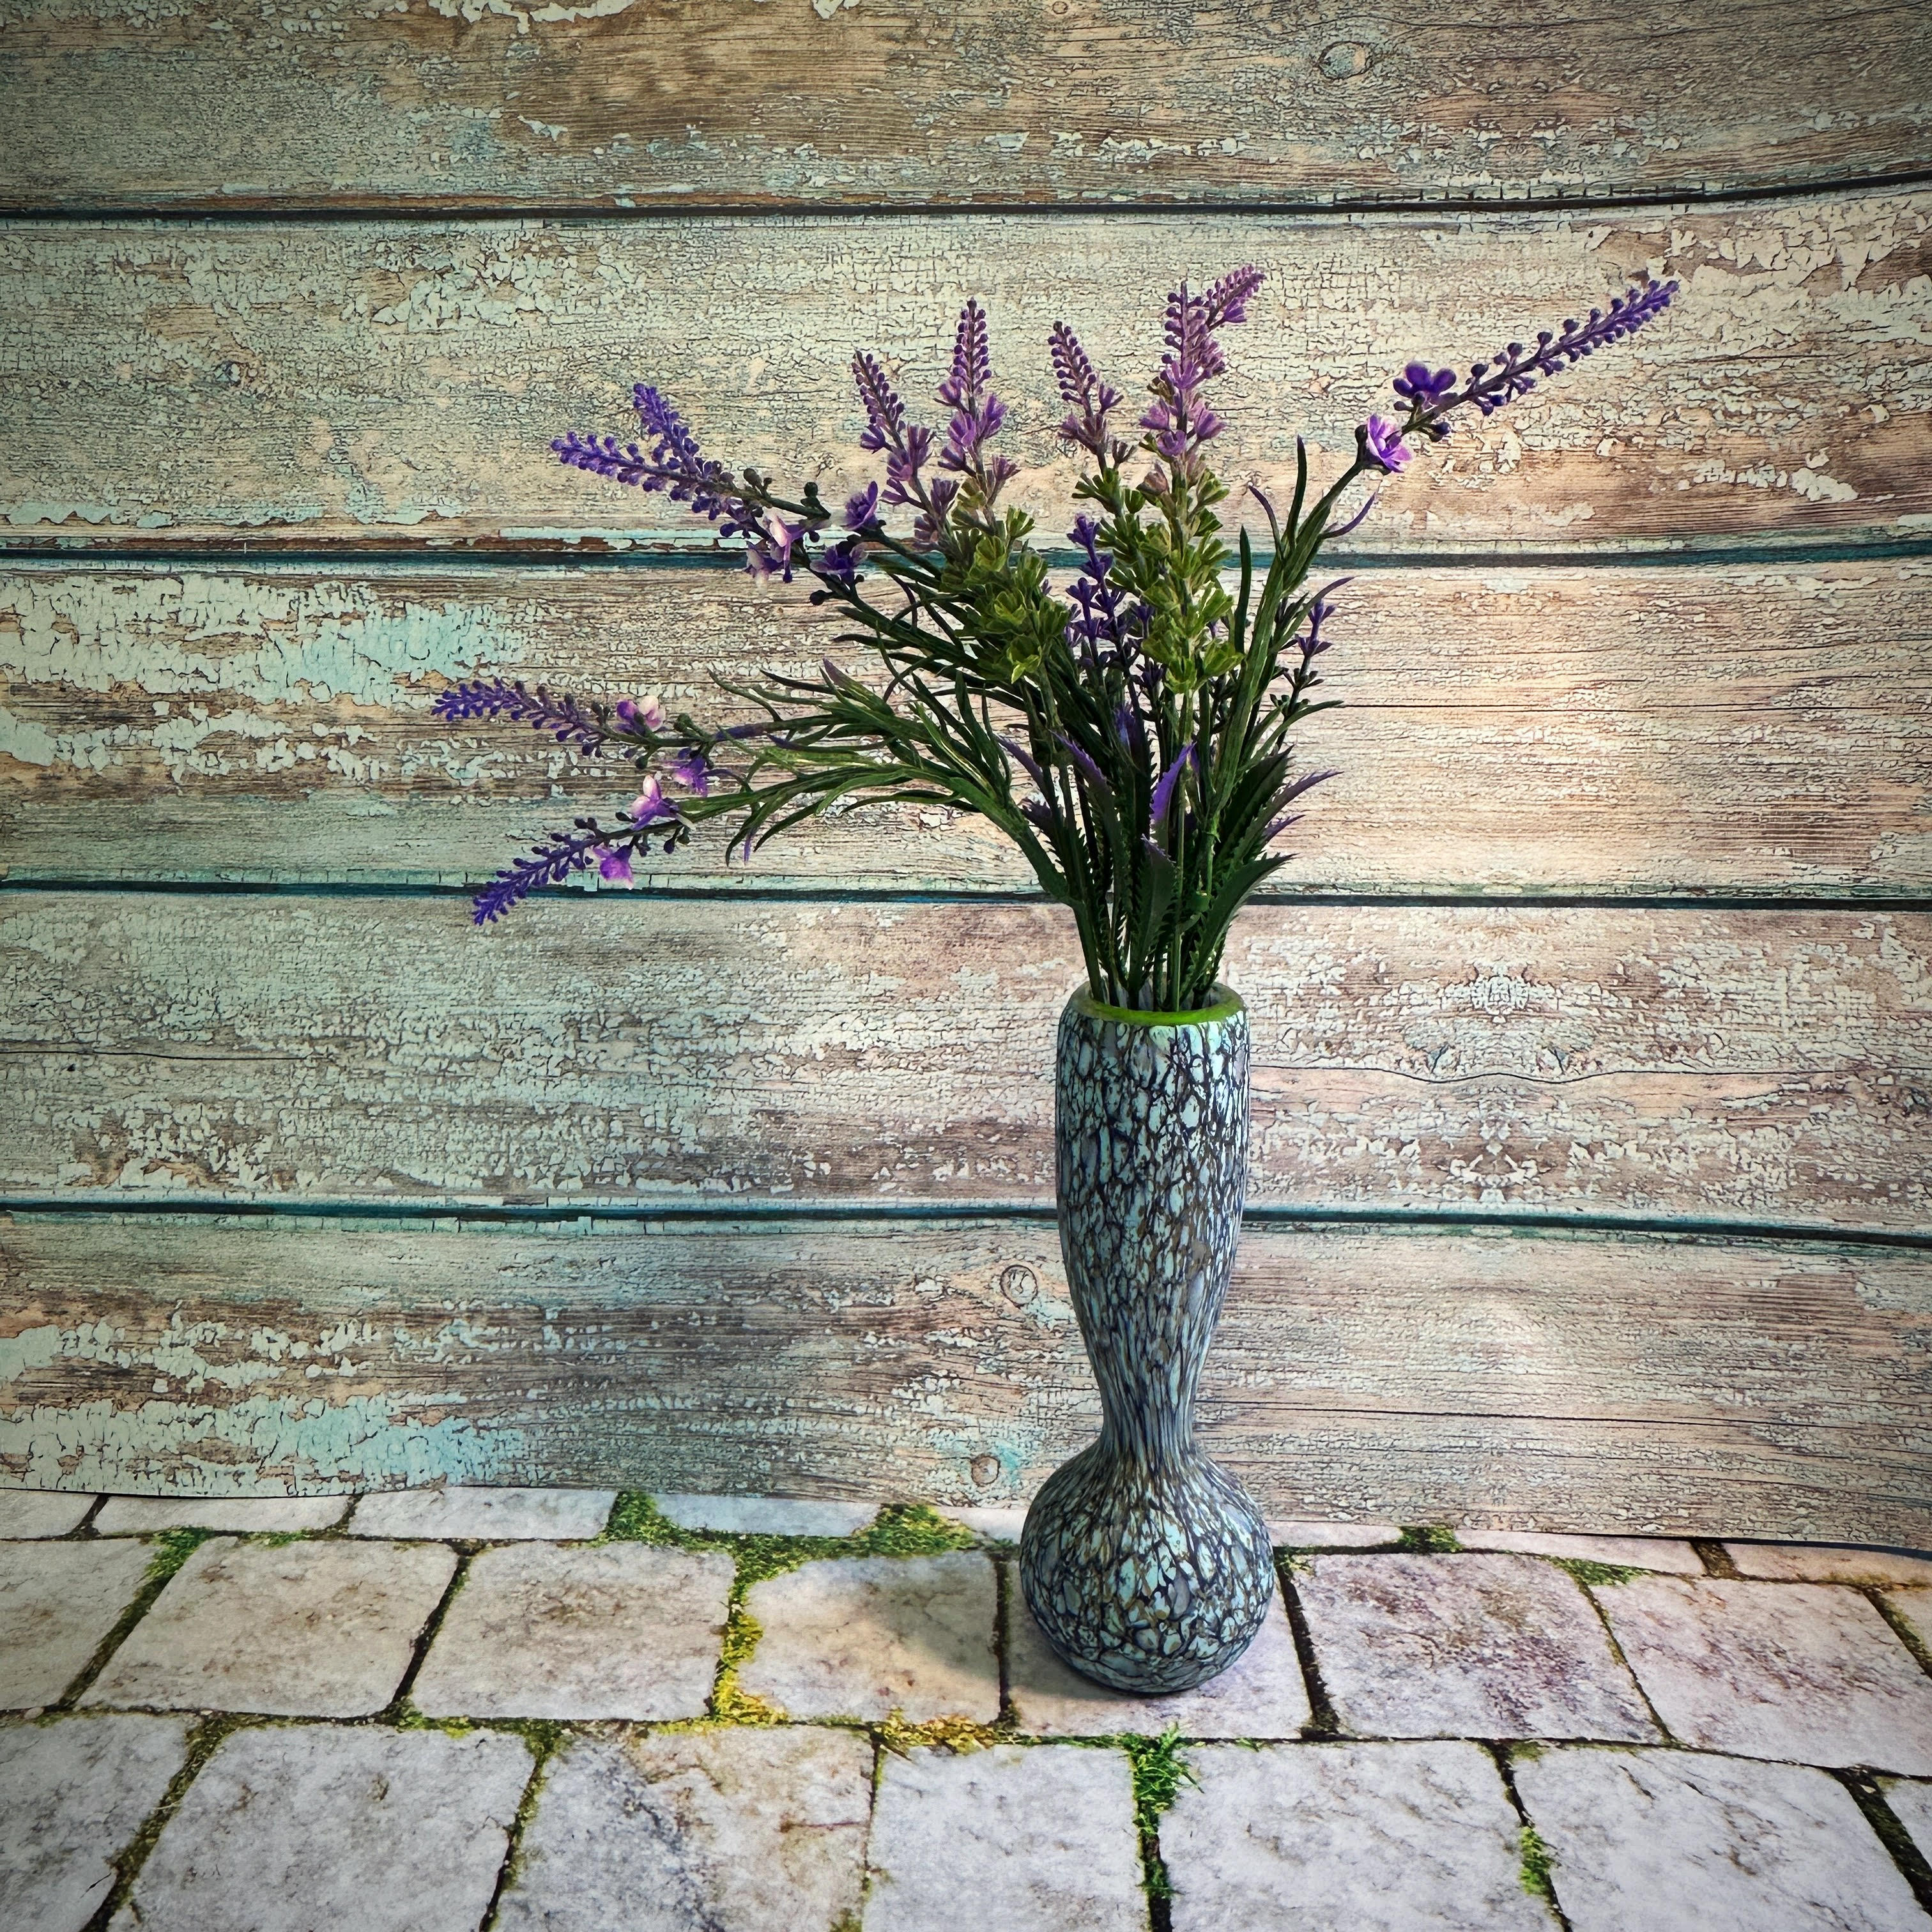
x=1586 y=1571
x=1536 y=1859
x=1429 y=1539
x=1160 y=1772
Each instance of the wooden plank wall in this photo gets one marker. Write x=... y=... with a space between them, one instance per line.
x=1593 y=1157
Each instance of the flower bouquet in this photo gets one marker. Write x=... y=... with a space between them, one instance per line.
x=1132 y=734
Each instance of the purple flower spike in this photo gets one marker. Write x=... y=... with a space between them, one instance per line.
x=1088 y=399
x=1515 y=368
x=1382 y=442
x=885 y=414
x=972 y=361
x=613 y=867
x=1178 y=421
x=1227 y=301
x=563 y=719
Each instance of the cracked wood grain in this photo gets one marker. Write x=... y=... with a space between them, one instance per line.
x=222 y=104
x=1728 y=729
x=1637 y=1383
x=364 y=383
x=1774 y=1067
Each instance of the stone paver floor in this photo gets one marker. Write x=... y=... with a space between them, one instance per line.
x=445 y=1711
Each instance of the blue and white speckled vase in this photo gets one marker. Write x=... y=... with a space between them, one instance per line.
x=1148 y=1568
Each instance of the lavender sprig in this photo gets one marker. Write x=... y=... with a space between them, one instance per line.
x=566 y=718
x=549 y=864
x=1431 y=396
x=1088 y=399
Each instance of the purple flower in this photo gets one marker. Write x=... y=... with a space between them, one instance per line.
x=839 y=564
x=906 y=445
x=1416 y=384
x=648 y=711
x=1088 y=399
x=977 y=413
x=692 y=770
x=1178 y=422
x=768 y=552
x=1380 y=442
x=861 y=508
x=1099 y=616
x=613 y=867
x=650 y=804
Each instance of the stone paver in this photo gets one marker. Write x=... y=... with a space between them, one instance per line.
x=1023 y=1840
x=1262 y=1696
x=847 y=1638
x=25 y=1513
x=1475 y=1646
x=1331 y=1535
x=295 y=1828
x=1629 y=1552
x=1799 y=1671
x=1827 y=1563
x=57 y=1600
x=996 y=1526
x=72 y=1794
x=1380 y=1838
x=323 y=1629
x=486 y=1516
x=730 y=1831
x=541 y=1630
x=1675 y=1841
x=245 y=1516
x=765 y=1516
x=1911 y=1805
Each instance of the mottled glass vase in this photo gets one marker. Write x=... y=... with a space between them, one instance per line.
x=1147 y=1567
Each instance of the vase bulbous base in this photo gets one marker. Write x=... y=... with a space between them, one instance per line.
x=1146 y=1581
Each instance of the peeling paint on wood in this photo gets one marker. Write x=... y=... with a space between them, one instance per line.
x=1715 y=728
x=357 y=381
x=222 y=104
x=1636 y=1383
x=1775 y=1066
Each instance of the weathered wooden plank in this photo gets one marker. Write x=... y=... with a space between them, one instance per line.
x=1773 y=1067
x=1427 y=1375
x=400 y=382
x=1645 y=729
x=217 y=103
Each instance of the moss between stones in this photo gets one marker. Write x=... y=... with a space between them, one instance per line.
x=1159 y=1771
x=899 y=1530
x=1429 y=1539
x=953 y=1733
x=1587 y=1571
x=1536 y=1859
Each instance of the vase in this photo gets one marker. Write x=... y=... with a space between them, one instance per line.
x=1147 y=1567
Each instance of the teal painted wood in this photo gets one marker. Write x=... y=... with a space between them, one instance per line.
x=1147 y=1567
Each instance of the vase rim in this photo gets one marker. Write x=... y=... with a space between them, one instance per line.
x=1226 y=1004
